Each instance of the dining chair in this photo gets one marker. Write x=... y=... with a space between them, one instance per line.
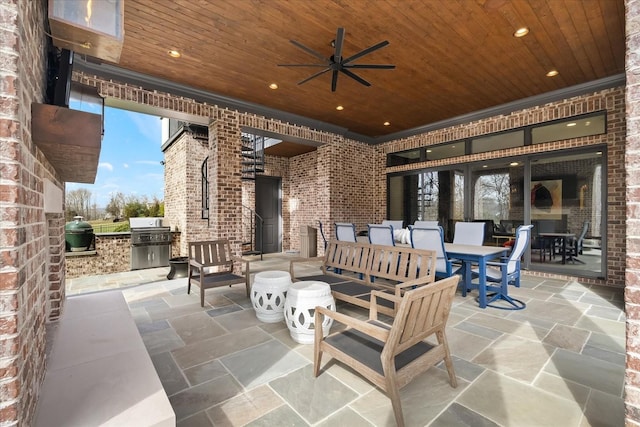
x=324 y=238
x=425 y=224
x=380 y=234
x=391 y=356
x=574 y=246
x=506 y=273
x=345 y=231
x=432 y=238
x=469 y=233
x=396 y=224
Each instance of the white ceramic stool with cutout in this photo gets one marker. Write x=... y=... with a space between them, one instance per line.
x=268 y=295
x=299 y=309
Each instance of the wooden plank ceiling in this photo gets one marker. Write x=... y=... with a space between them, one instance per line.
x=452 y=57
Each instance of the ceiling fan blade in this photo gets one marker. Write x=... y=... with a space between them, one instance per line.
x=309 y=51
x=314 y=75
x=334 y=80
x=302 y=65
x=339 y=41
x=355 y=77
x=371 y=66
x=365 y=52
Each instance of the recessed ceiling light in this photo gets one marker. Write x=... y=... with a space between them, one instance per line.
x=587 y=123
x=571 y=124
x=521 y=32
x=453 y=146
x=339 y=108
x=484 y=166
x=273 y=86
x=428 y=151
x=513 y=164
x=552 y=73
x=599 y=152
x=174 y=54
x=386 y=123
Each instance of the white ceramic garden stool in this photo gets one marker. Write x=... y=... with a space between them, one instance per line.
x=268 y=295
x=300 y=308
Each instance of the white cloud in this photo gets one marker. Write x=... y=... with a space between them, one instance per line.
x=125 y=165
x=106 y=165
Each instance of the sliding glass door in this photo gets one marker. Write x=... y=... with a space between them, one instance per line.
x=562 y=194
x=436 y=195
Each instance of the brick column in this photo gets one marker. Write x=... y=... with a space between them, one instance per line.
x=225 y=180
x=632 y=161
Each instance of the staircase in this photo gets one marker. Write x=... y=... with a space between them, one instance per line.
x=252 y=156
x=252 y=235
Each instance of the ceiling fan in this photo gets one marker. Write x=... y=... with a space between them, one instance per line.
x=337 y=64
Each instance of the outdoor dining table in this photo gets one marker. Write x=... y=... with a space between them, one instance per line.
x=563 y=237
x=470 y=254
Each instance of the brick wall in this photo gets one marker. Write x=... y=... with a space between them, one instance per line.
x=183 y=203
x=632 y=196
x=31 y=265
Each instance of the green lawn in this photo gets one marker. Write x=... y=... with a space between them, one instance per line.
x=101 y=226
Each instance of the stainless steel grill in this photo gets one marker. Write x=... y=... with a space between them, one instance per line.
x=150 y=247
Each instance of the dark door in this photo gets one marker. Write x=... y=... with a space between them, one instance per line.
x=269 y=207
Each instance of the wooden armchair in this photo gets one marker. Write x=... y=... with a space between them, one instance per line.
x=211 y=265
x=390 y=356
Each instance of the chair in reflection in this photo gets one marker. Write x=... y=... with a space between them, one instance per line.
x=575 y=246
x=432 y=238
x=500 y=275
x=345 y=231
x=469 y=233
x=380 y=234
x=391 y=356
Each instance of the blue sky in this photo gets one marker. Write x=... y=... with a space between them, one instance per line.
x=129 y=158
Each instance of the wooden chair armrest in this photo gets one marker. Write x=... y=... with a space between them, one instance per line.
x=247 y=269
x=194 y=263
x=389 y=297
x=410 y=284
x=302 y=259
x=360 y=325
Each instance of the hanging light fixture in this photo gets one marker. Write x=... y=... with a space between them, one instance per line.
x=91 y=27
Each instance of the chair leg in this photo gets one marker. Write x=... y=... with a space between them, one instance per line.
x=317 y=344
x=394 y=395
x=448 y=362
x=201 y=296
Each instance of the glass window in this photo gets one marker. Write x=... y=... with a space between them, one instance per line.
x=445 y=151
x=497 y=199
x=566 y=129
x=404 y=157
x=497 y=141
x=436 y=195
